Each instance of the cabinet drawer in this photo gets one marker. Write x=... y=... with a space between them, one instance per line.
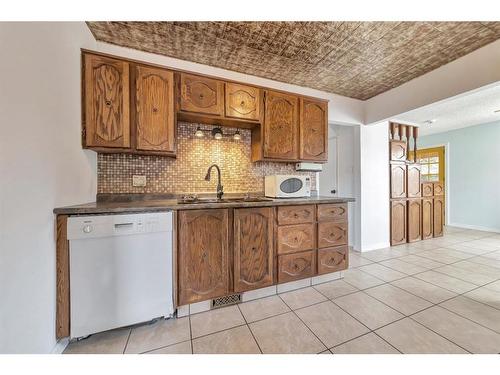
x=295 y=214
x=295 y=238
x=332 y=259
x=331 y=233
x=296 y=266
x=332 y=212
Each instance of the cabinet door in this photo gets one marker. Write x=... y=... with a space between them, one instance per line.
x=294 y=238
x=281 y=126
x=296 y=266
x=414 y=220
x=202 y=255
x=201 y=95
x=398 y=150
x=427 y=218
x=438 y=216
x=332 y=234
x=253 y=248
x=332 y=259
x=414 y=185
x=313 y=130
x=398 y=222
x=242 y=101
x=107 y=122
x=398 y=181
x=427 y=189
x=154 y=105
x=438 y=188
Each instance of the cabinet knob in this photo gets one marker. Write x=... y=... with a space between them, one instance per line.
x=108 y=102
x=155 y=110
x=242 y=103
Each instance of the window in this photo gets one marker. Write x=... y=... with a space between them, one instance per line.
x=432 y=161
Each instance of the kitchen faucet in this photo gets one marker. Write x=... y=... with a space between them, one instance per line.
x=220 y=188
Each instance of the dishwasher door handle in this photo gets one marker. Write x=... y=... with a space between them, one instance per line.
x=123 y=225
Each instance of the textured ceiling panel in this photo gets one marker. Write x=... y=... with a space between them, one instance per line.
x=355 y=59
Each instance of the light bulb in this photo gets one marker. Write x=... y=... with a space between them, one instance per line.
x=199 y=132
x=217 y=133
x=237 y=135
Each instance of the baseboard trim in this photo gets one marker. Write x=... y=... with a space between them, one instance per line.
x=377 y=246
x=60 y=346
x=475 y=227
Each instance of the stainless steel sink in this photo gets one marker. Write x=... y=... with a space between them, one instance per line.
x=223 y=200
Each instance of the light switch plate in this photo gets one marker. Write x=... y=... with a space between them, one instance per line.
x=138 y=180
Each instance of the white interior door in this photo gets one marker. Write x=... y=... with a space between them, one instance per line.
x=328 y=177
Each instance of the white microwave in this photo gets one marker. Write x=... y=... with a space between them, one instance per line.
x=287 y=186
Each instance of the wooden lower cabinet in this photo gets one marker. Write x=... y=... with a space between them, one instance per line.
x=332 y=259
x=203 y=255
x=398 y=222
x=295 y=214
x=331 y=233
x=295 y=238
x=253 y=248
x=438 y=216
x=427 y=218
x=332 y=212
x=414 y=220
x=296 y=266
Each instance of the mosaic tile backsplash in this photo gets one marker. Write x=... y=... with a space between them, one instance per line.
x=186 y=173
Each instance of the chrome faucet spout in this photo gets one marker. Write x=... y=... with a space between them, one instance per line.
x=220 y=188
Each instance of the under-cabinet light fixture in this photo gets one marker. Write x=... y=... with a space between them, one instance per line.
x=217 y=133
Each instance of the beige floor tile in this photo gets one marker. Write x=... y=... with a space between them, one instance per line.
x=237 y=340
x=110 y=342
x=425 y=290
x=383 y=273
x=360 y=279
x=486 y=296
x=494 y=255
x=398 y=299
x=263 y=308
x=426 y=245
x=478 y=312
x=330 y=323
x=465 y=275
x=216 y=320
x=441 y=256
x=486 y=270
x=368 y=310
x=411 y=337
x=494 y=286
x=355 y=260
x=285 y=334
x=366 y=344
x=447 y=282
x=404 y=267
x=299 y=298
x=162 y=333
x=470 y=248
x=463 y=332
x=326 y=352
x=379 y=255
x=181 y=348
x=487 y=261
x=421 y=261
x=335 y=289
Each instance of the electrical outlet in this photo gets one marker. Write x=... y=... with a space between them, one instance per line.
x=138 y=180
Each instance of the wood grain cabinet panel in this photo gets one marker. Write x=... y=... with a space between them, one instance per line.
x=295 y=238
x=243 y=102
x=253 y=248
x=427 y=218
x=438 y=217
x=427 y=189
x=281 y=126
x=203 y=253
x=398 y=181
x=398 y=222
x=438 y=188
x=332 y=212
x=414 y=187
x=398 y=150
x=332 y=259
x=332 y=234
x=295 y=214
x=106 y=98
x=414 y=220
x=154 y=104
x=296 y=266
x=313 y=130
x=201 y=95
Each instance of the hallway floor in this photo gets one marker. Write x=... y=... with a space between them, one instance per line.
x=436 y=296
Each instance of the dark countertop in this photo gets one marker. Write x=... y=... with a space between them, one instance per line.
x=157 y=205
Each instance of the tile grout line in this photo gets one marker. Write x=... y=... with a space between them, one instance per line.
x=249 y=328
x=126 y=343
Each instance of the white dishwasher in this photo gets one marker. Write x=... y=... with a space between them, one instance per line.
x=120 y=270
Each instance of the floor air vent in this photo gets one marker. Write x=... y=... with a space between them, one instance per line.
x=226 y=301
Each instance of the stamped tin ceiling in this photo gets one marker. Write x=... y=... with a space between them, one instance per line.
x=354 y=59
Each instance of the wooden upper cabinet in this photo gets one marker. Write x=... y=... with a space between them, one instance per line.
x=398 y=222
x=243 y=102
x=253 y=248
x=398 y=150
x=414 y=187
x=313 y=130
x=201 y=95
x=427 y=189
x=398 y=181
x=203 y=253
x=106 y=92
x=154 y=105
x=438 y=188
x=281 y=126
